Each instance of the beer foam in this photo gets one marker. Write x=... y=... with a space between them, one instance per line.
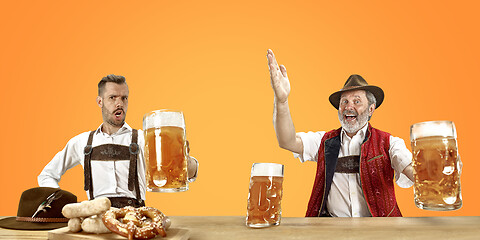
x=163 y=118
x=433 y=128
x=267 y=169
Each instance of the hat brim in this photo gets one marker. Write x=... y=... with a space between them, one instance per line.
x=12 y=223
x=376 y=91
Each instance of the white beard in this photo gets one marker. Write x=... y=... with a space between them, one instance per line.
x=360 y=122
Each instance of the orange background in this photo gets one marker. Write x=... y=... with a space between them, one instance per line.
x=207 y=58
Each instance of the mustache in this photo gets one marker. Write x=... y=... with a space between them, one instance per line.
x=118 y=109
x=350 y=112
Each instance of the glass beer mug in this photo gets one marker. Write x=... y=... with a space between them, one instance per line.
x=265 y=195
x=436 y=166
x=165 y=151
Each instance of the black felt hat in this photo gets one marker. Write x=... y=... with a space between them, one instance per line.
x=356 y=82
x=40 y=208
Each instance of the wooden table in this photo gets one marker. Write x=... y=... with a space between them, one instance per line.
x=233 y=227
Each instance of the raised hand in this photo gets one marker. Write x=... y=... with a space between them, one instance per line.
x=278 y=78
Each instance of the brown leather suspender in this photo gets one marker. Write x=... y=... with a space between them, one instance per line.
x=87 y=165
x=109 y=154
x=348 y=164
x=133 y=175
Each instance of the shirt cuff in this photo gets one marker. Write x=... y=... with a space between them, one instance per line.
x=46 y=182
x=401 y=179
x=300 y=157
x=307 y=139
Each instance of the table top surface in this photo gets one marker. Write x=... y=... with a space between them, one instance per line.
x=233 y=227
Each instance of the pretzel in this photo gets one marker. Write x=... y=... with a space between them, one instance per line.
x=138 y=223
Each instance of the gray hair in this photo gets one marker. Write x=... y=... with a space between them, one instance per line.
x=371 y=98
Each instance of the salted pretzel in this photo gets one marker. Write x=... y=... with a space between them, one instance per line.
x=136 y=223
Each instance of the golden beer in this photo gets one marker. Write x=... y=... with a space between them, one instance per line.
x=264 y=198
x=436 y=169
x=165 y=152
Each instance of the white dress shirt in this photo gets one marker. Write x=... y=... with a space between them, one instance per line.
x=110 y=178
x=346 y=198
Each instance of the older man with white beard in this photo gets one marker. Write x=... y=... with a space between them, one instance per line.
x=356 y=164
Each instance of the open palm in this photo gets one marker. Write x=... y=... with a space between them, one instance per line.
x=279 y=78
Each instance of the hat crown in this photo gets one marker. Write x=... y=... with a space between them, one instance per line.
x=355 y=81
x=32 y=198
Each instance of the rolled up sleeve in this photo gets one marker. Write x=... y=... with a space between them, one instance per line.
x=400 y=158
x=63 y=160
x=311 y=142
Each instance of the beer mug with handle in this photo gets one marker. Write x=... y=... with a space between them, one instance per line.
x=265 y=195
x=436 y=166
x=165 y=151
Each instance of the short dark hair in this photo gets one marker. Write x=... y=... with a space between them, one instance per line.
x=110 y=78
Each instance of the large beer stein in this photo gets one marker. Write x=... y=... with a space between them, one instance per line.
x=265 y=195
x=165 y=151
x=436 y=166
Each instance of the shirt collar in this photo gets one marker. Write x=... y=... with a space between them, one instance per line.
x=362 y=132
x=124 y=128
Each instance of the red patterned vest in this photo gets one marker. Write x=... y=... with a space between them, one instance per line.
x=376 y=174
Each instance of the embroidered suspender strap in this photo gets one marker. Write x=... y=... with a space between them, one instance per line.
x=87 y=165
x=348 y=164
x=133 y=175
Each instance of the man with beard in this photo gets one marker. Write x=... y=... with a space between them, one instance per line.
x=356 y=164
x=112 y=155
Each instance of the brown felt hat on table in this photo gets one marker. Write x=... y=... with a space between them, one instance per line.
x=30 y=200
x=356 y=82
